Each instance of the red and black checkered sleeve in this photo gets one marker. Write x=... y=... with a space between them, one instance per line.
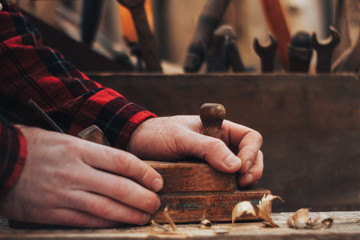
x=12 y=153
x=30 y=70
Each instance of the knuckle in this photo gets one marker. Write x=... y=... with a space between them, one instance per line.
x=99 y=208
x=215 y=144
x=122 y=189
x=71 y=147
x=123 y=163
x=258 y=136
x=257 y=173
x=148 y=176
x=249 y=154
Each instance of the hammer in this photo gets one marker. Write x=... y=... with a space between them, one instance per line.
x=209 y=20
x=148 y=45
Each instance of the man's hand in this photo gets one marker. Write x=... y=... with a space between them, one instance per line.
x=69 y=181
x=170 y=138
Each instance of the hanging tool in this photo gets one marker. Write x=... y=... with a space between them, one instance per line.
x=216 y=57
x=349 y=61
x=300 y=52
x=278 y=27
x=210 y=18
x=232 y=52
x=324 y=51
x=129 y=32
x=224 y=53
x=90 y=16
x=266 y=54
x=148 y=45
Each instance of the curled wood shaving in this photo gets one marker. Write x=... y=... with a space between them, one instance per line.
x=300 y=220
x=327 y=222
x=265 y=209
x=205 y=224
x=155 y=224
x=168 y=218
x=242 y=208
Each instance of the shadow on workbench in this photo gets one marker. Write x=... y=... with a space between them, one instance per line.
x=310 y=125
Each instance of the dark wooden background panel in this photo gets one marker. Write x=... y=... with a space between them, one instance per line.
x=310 y=125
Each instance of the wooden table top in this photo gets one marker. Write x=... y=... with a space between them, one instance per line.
x=346 y=226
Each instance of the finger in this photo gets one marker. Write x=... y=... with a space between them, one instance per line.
x=255 y=172
x=248 y=143
x=104 y=207
x=213 y=150
x=122 y=163
x=70 y=217
x=121 y=189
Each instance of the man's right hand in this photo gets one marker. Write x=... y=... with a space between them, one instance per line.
x=69 y=181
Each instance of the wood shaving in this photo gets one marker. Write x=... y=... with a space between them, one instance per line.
x=156 y=225
x=300 y=220
x=205 y=224
x=168 y=218
x=265 y=209
x=242 y=208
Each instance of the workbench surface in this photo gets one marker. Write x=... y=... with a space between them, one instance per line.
x=346 y=226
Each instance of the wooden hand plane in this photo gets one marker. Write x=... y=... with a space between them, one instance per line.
x=193 y=190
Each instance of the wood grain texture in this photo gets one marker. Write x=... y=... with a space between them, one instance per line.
x=214 y=206
x=346 y=226
x=193 y=177
x=194 y=190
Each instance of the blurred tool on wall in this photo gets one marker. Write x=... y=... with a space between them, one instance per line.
x=266 y=54
x=209 y=20
x=90 y=18
x=347 y=22
x=300 y=52
x=324 y=51
x=129 y=32
x=144 y=35
x=349 y=61
x=277 y=24
x=199 y=44
x=144 y=48
x=223 y=53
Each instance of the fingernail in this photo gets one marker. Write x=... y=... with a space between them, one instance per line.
x=159 y=203
x=146 y=218
x=232 y=162
x=248 y=165
x=157 y=184
x=249 y=178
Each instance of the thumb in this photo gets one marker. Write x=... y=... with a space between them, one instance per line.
x=212 y=150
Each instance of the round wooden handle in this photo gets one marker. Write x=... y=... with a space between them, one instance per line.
x=212 y=116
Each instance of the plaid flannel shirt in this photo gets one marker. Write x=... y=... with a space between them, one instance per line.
x=30 y=70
